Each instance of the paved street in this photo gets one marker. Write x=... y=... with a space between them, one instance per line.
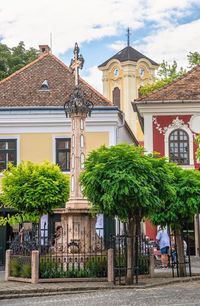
x=179 y=294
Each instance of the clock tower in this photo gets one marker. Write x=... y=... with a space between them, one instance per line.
x=123 y=74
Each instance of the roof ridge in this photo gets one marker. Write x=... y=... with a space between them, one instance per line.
x=169 y=84
x=60 y=62
x=24 y=68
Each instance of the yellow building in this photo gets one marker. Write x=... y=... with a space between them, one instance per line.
x=123 y=74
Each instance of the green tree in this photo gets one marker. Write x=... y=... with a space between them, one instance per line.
x=121 y=181
x=167 y=71
x=33 y=190
x=182 y=207
x=193 y=59
x=166 y=74
x=12 y=59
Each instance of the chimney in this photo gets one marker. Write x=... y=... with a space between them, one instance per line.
x=44 y=48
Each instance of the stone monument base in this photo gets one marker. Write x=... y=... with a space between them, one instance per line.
x=77 y=229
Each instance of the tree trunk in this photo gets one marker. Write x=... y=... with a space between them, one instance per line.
x=130 y=254
x=136 y=246
x=180 y=253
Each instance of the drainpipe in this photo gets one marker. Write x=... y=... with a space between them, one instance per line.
x=120 y=126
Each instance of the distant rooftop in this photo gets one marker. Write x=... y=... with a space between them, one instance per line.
x=128 y=54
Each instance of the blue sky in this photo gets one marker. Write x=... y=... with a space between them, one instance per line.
x=162 y=30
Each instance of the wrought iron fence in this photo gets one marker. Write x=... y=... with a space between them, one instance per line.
x=25 y=241
x=61 y=254
x=141 y=256
x=181 y=265
x=68 y=254
x=64 y=257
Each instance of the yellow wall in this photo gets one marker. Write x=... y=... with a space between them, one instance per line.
x=95 y=140
x=35 y=147
x=38 y=147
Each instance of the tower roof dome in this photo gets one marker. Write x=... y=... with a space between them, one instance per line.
x=128 y=54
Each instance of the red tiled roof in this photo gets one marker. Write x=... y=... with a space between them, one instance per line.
x=23 y=88
x=185 y=88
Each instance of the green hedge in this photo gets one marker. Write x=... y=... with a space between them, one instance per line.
x=20 y=267
x=94 y=267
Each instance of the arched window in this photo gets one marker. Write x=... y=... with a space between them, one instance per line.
x=179 y=147
x=116 y=97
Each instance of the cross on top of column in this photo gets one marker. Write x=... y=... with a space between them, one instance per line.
x=77 y=63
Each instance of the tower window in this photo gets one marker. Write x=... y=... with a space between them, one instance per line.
x=179 y=147
x=116 y=97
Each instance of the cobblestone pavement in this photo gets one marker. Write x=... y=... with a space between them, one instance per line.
x=179 y=294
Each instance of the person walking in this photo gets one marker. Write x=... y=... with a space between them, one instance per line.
x=162 y=238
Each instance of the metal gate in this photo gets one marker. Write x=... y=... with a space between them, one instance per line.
x=141 y=258
x=177 y=264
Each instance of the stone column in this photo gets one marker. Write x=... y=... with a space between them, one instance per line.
x=75 y=219
x=35 y=267
x=7 y=267
x=78 y=152
x=111 y=266
x=151 y=263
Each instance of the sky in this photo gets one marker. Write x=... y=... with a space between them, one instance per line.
x=160 y=29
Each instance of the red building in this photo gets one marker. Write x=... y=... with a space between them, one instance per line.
x=170 y=119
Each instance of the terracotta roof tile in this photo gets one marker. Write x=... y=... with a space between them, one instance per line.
x=186 y=87
x=22 y=88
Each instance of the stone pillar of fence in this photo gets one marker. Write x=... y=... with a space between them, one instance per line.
x=7 y=264
x=151 y=263
x=35 y=267
x=110 y=265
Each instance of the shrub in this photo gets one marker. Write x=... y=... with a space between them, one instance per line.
x=97 y=266
x=19 y=268
x=25 y=270
x=15 y=267
x=94 y=267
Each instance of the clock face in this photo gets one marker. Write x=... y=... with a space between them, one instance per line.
x=141 y=71
x=116 y=72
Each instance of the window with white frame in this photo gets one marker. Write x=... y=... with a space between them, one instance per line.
x=179 y=147
x=8 y=153
x=63 y=146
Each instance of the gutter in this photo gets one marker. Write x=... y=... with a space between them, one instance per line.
x=165 y=101
x=125 y=124
x=55 y=108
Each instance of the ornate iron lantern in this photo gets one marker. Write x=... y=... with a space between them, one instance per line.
x=78 y=104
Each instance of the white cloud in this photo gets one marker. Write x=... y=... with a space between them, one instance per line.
x=81 y=21
x=117 y=45
x=173 y=43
